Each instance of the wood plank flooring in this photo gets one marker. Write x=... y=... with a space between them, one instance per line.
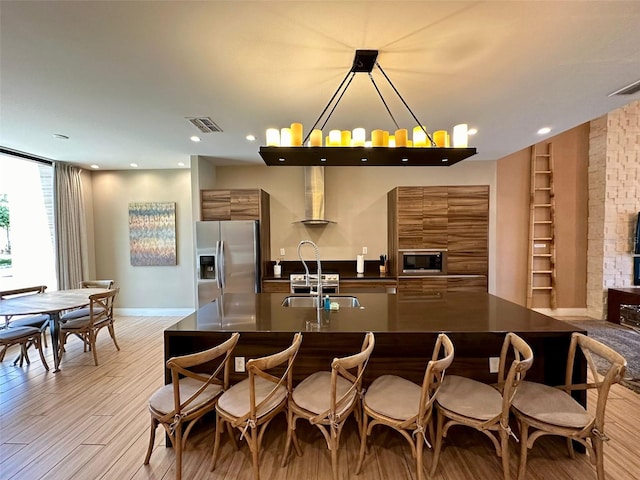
x=89 y=422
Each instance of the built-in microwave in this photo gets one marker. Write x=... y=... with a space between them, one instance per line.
x=423 y=262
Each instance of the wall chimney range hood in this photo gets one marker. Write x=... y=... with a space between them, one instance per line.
x=314 y=197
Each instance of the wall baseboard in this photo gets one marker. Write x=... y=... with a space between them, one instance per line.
x=154 y=312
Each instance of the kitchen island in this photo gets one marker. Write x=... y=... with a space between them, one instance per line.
x=405 y=327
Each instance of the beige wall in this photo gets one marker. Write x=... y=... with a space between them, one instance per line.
x=165 y=287
x=570 y=155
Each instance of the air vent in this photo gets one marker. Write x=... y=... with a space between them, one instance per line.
x=628 y=90
x=205 y=124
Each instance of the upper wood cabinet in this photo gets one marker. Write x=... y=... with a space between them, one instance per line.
x=241 y=204
x=455 y=218
x=237 y=204
x=468 y=230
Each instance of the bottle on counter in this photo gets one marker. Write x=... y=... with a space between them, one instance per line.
x=327 y=303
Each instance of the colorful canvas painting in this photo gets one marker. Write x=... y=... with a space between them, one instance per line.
x=152 y=233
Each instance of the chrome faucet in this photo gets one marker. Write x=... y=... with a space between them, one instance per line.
x=306 y=270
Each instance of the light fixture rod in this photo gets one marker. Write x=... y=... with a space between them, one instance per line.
x=328 y=104
x=405 y=104
x=337 y=102
x=358 y=67
x=383 y=101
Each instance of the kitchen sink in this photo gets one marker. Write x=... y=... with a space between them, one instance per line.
x=345 y=301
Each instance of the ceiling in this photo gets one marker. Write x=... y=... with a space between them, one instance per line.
x=119 y=78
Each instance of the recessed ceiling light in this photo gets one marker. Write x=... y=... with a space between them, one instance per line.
x=472 y=131
x=95 y=167
x=195 y=139
x=134 y=165
x=544 y=131
x=60 y=136
x=251 y=138
x=181 y=164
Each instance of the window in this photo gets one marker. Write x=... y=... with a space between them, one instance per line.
x=27 y=254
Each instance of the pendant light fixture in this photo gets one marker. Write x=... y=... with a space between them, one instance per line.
x=351 y=148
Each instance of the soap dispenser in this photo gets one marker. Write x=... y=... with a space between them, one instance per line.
x=327 y=302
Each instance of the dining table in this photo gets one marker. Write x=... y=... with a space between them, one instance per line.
x=51 y=303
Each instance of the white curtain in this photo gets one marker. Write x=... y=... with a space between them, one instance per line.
x=71 y=230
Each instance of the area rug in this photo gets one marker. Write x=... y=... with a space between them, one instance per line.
x=624 y=340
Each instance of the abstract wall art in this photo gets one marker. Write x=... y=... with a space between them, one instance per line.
x=152 y=233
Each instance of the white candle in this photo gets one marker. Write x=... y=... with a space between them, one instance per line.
x=460 y=135
x=335 y=138
x=273 y=137
x=285 y=137
x=359 y=136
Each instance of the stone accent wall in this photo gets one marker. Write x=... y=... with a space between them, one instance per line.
x=614 y=203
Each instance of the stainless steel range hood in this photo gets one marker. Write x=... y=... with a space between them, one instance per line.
x=314 y=197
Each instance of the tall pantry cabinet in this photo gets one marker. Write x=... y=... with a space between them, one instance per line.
x=451 y=218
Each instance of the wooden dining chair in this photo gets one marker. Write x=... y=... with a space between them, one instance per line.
x=468 y=402
x=190 y=395
x=553 y=411
x=87 y=327
x=326 y=399
x=23 y=336
x=251 y=404
x=40 y=321
x=406 y=407
x=84 y=311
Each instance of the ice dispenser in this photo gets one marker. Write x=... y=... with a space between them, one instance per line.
x=207 y=267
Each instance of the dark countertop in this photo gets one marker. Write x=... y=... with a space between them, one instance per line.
x=447 y=312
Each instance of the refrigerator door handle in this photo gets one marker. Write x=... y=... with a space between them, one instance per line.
x=221 y=271
x=217 y=265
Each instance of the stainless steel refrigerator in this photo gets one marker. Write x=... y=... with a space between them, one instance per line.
x=227 y=258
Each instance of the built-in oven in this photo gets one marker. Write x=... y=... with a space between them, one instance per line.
x=422 y=262
x=330 y=283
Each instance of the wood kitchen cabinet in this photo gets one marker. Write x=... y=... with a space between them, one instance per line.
x=368 y=286
x=237 y=204
x=420 y=217
x=276 y=286
x=451 y=218
x=443 y=284
x=241 y=204
x=468 y=230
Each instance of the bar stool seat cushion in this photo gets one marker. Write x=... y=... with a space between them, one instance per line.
x=314 y=393
x=236 y=400
x=394 y=397
x=162 y=399
x=470 y=398
x=533 y=399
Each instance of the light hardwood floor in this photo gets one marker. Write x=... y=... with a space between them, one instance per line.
x=89 y=422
